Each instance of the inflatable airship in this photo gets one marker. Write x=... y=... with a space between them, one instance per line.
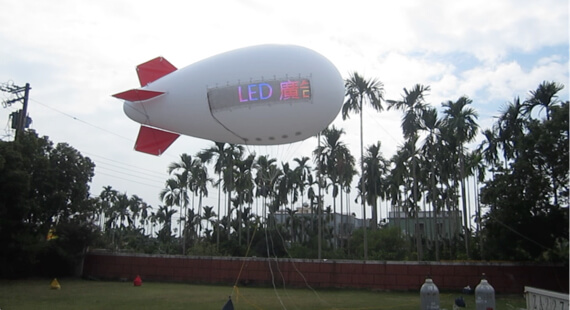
x=259 y=95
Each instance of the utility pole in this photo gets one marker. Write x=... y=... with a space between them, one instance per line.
x=22 y=115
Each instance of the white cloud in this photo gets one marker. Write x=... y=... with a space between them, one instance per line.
x=490 y=29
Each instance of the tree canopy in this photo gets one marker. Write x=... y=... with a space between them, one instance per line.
x=41 y=186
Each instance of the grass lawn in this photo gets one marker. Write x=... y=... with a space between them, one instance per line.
x=81 y=294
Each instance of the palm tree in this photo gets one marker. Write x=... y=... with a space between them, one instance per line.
x=489 y=148
x=545 y=96
x=291 y=221
x=448 y=172
x=413 y=104
x=264 y=179
x=248 y=218
x=121 y=206
x=346 y=171
x=244 y=188
x=395 y=180
x=120 y=209
x=331 y=154
x=358 y=92
x=175 y=194
x=107 y=198
x=234 y=156
x=164 y=217
x=170 y=194
x=375 y=166
x=145 y=216
x=206 y=156
x=193 y=224
x=208 y=215
x=287 y=186
x=411 y=153
x=135 y=204
x=510 y=128
x=152 y=221
x=224 y=168
x=184 y=167
x=200 y=180
x=273 y=175
x=319 y=200
x=430 y=150
x=303 y=171
x=461 y=120
x=474 y=167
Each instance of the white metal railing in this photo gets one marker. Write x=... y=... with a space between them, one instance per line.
x=538 y=299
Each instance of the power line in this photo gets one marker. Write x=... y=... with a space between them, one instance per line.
x=128 y=174
x=98 y=128
x=100 y=165
x=91 y=125
x=156 y=173
x=124 y=179
x=82 y=121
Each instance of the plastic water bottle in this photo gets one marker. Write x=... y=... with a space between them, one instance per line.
x=429 y=295
x=484 y=295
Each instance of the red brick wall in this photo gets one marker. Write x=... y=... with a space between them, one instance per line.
x=378 y=275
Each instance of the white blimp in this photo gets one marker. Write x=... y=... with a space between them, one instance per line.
x=259 y=95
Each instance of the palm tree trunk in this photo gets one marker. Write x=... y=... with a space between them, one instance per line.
x=362 y=185
x=464 y=202
x=434 y=207
x=229 y=200
x=374 y=208
x=219 y=202
x=478 y=206
x=319 y=210
x=335 y=231
x=416 y=211
x=341 y=230
x=184 y=231
x=407 y=213
x=240 y=212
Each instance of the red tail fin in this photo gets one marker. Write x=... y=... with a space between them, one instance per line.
x=154 y=141
x=154 y=69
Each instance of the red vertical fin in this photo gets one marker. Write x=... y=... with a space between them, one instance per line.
x=154 y=141
x=153 y=70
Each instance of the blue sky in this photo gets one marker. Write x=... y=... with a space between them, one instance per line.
x=75 y=54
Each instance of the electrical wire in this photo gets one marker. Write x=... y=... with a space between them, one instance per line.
x=80 y=120
x=121 y=165
x=100 y=164
x=125 y=179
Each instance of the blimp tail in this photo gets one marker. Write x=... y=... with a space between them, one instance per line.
x=154 y=141
x=154 y=69
x=148 y=72
x=150 y=140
